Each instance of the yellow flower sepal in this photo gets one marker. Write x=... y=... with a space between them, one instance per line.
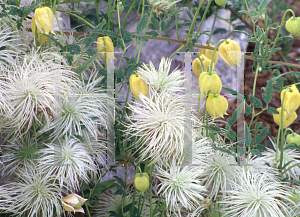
x=197 y=66
x=230 y=53
x=291 y=100
x=216 y=105
x=105 y=44
x=209 y=53
x=44 y=20
x=293 y=138
x=287 y=119
x=137 y=86
x=209 y=82
x=41 y=38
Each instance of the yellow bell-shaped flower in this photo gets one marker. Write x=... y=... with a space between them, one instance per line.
x=44 y=20
x=209 y=82
x=73 y=203
x=230 y=52
x=291 y=100
x=137 y=86
x=292 y=25
x=105 y=44
x=41 y=38
x=197 y=66
x=209 y=53
x=216 y=105
x=287 y=119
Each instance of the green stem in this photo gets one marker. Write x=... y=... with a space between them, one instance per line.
x=213 y=56
x=281 y=149
x=284 y=171
x=35 y=137
x=278 y=33
x=78 y=17
x=144 y=34
x=130 y=9
x=97 y=12
x=194 y=21
x=178 y=50
x=176 y=24
x=212 y=29
x=55 y=13
x=150 y=175
x=86 y=206
x=204 y=15
x=108 y=13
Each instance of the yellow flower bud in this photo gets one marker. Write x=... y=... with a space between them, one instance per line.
x=197 y=66
x=221 y=2
x=291 y=100
x=41 y=38
x=104 y=44
x=287 y=119
x=293 y=26
x=293 y=138
x=231 y=52
x=209 y=53
x=216 y=106
x=141 y=182
x=137 y=86
x=44 y=20
x=209 y=82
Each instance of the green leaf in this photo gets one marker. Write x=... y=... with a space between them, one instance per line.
x=152 y=33
x=103 y=186
x=256 y=102
x=220 y=30
x=248 y=110
x=248 y=139
x=256 y=152
x=268 y=92
x=93 y=35
x=260 y=147
x=223 y=150
x=108 y=33
x=155 y=23
x=141 y=38
x=257 y=126
x=73 y=48
x=91 y=52
x=126 y=35
x=231 y=135
x=259 y=138
x=120 y=181
x=253 y=39
x=231 y=91
x=142 y=24
x=240 y=27
x=292 y=146
x=262 y=8
x=163 y=26
x=272 y=110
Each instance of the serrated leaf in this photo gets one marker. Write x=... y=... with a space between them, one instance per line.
x=260 y=147
x=257 y=126
x=73 y=48
x=268 y=92
x=256 y=102
x=141 y=38
x=223 y=150
x=256 y=152
x=248 y=139
x=120 y=181
x=220 y=31
x=155 y=23
x=262 y=8
x=260 y=137
x=163 y=26
x=126 y=35
x=93 y=35
x=152 y=33
x=272 y=110
x=91 y=52
x=248 y=111
x=231 y=135
x=253 y=39
x=142 y=24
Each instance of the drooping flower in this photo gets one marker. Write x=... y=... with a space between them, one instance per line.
x=221 y=2
x=41 y=38
x=137 y=86
x=291 y=100
x=35 y=193
x=209 y=53
x=68 y=160
x=292 y=25
x=230 y=52
x=198 y=67
x=216 y=106
x=73 y=203
x=161 y=79
x=180 y=186
x=44 y=20
x=255 y=194
x=106 y=47
x=287 y=119
x=162 y=5
x=210 y=82
x=158 y=123
x=293 y=138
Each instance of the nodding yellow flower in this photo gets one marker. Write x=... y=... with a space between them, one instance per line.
x=41 y=38
x=287 y=119
x=137 y=86
x=73 y=203
x=197 y=65
x=209 y=82
x=293 y=138
x=141 y=182
x=293 y=26
x=291 y=100
x=44 y=20
x=104 y=44
x=230 y=52
x=216 y=105
x=221 y=2
x=209 y=53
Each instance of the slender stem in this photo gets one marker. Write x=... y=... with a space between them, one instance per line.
x=213 y=56
x=278 y=33
x=150 y=175
x=176 y=24
x=97 y=12
x=290 y=167
x=204 y=15
x=212 y=29
x=130 y=9
x=86 y=206
x=78 y=17
x=281 y=148
x=254 y=86
x=194 y=21
x=144 y=34
x=108 y=13
x=55 y=13
x=178 y=50
x=35 y=137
